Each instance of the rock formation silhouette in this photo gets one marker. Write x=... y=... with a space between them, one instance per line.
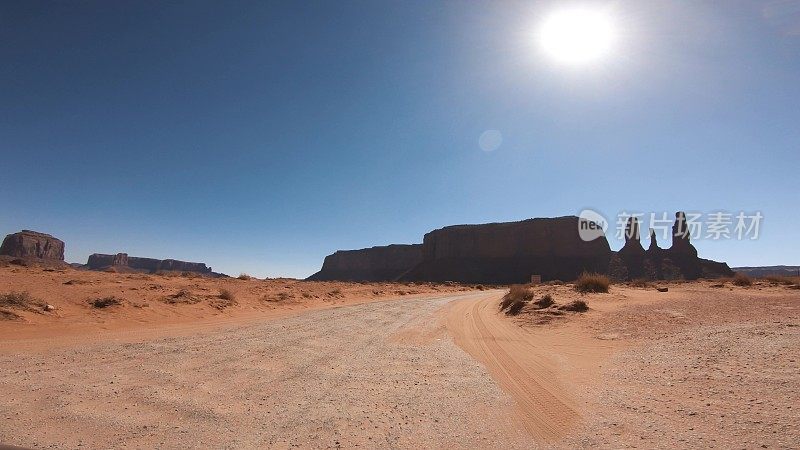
x=384 y=263
x=32 y=244
x=680 y=261
x=510 y=252
x=122 y=261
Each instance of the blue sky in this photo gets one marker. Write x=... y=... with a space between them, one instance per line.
x=260 y=136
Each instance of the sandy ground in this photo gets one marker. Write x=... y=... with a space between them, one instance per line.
x=698 y=366
x=380 y=374
x=155 y=303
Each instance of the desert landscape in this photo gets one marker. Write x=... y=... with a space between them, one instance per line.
x=506 y=224
x=289 y=363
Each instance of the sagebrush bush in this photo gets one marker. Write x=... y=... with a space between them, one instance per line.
x=226 y=294
x=592 y=282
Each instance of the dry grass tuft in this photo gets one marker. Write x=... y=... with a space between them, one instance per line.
x=104 y=302
x=544 y=302
x=592 y=282
x=515 y=308
x=9 y=315
x=575 y=306
x=639 y=283
x=741 y=279
x=224 y=300
x=182 y=296
x=20 y=300
x=517 y=297
x=244 y=276
x=279 y=297
x=516 y=293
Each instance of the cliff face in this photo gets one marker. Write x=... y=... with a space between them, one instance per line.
x=98 y=261
x=510 y=252
x=32 y=244
x=385 y=263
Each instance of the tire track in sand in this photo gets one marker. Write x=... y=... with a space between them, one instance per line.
x=518 y=363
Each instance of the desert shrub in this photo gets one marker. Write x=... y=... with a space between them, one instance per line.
x=182 y=296
x=336 y=292
x=741 y=279
x=515 y=308
x=592 y=282
x=9 y=315
x=575 y=306
x=226 y=294
x=244 y=276
x=480 y=287
x=222 y=303
x=516 y=293
x=517 y=297
x=639 y=283
x=544 y=302
x=15 y=299
x=279 y=297
x=21 y=300
x=104 y=302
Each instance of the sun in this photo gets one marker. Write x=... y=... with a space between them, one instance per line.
x=577 y=36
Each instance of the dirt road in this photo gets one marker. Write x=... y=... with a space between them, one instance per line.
x=529 y=367
x=383 y=374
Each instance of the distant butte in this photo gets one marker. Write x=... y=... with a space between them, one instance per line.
x=32 y=244
x=123 y=262
x=510 y=252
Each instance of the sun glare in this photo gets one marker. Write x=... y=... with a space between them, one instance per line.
x=577 y=36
